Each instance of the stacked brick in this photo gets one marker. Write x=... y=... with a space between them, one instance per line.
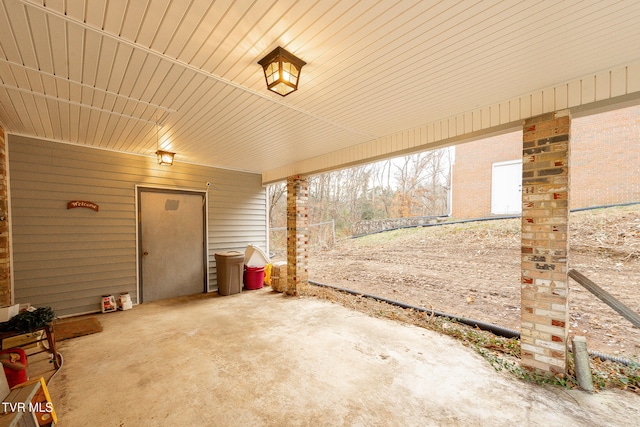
x=545 y=213
x=5 y=276
x=297 y=233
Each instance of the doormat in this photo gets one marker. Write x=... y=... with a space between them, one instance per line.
x=76 y=328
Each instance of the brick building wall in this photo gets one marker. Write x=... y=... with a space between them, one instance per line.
x=605 y=158
x=471 y=178
x=605 y=164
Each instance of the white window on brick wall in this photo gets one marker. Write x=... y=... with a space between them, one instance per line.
x=506 y=187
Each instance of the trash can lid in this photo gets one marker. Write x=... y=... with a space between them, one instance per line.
x=255 y=257
x=229 y=253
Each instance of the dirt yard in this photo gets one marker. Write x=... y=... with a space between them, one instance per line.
x=473 y=270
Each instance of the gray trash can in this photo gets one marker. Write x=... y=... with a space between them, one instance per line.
x=229 y=270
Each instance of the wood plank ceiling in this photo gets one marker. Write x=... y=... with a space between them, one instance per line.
x=114 y=74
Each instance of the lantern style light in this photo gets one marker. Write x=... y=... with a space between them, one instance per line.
x=165 y=158
x=282 y=71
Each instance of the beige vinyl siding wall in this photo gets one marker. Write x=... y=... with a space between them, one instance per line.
x=68 y=258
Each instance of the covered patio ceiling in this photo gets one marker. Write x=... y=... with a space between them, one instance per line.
x=382 y=77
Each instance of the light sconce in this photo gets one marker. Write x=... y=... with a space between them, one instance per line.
x=164 y=157
x=282 y=71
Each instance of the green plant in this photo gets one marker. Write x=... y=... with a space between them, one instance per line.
x=29 y=321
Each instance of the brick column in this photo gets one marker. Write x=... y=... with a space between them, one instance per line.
x=297 y=233
x=545 y=220
x=5 y=271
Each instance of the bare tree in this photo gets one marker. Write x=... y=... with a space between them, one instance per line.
x=422 y=184
x=277 y=195
x=415 y=185
x=381 y=193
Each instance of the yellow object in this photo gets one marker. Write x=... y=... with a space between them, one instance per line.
x=49 y=403
x=267 y=274
x=40 y=405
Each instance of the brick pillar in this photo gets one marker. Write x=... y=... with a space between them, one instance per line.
x=297 y=233
x=545 y=220
x=5 y=271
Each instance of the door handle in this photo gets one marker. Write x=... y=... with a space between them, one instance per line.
x=145 y=253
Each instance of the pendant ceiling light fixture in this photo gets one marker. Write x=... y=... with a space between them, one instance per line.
x=282 y=71
x=164 y=157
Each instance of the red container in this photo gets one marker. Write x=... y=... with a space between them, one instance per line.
x=253 y=277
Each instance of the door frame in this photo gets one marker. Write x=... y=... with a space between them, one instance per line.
x=139 y=188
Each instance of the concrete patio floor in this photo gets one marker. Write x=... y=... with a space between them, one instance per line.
x=262 y=359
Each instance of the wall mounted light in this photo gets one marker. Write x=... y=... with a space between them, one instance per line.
x=282 y=71
x=164 y=157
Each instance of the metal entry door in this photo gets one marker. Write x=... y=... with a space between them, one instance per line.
x=506 y=188
x=171 y=243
